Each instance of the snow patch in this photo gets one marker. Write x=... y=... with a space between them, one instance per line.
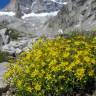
x=64 y=3
x=7 y=13
x=39 y=14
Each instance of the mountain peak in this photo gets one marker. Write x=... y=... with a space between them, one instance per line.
x=11 y=5
x=37 y=6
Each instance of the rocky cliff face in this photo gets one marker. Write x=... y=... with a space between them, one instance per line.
x=37 y=6
x=76 y=15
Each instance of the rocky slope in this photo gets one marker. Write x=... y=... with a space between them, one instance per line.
x=76 y=15
x=37 y=6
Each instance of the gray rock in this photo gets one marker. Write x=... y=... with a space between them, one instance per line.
x=2 y=71
x=27 y=6
x=29 y=28
x=76 y=15
x=4 y=36
x=1 y=41
x=17 y=46
x=94 y=94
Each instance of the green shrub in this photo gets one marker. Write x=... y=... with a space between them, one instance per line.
x=94 y=29
x=54 y=66
x=3 y=56
x=3 y=24
x=14 y=35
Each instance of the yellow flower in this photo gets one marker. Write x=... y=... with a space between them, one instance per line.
x=17 y=68
x=52 y=63
x=68 y=49
x=80 y=52
x=27 y=70
x=76 y=56
x=80 y=73
x=61 y=77
x=91 y=72
x=87 y=59
x=66 y=54
x=37 y=87
x=35 y=73
x=77 y=61
x=48 y=77
x=29 y=89
x=69 y=68
x=93 y=60
x=63 y=64
x=85 y=52
x=19 y=83
x=77 y=42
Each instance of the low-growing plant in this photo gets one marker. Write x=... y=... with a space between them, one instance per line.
x=14 y=35
x=3 y=56
x=3 y=24
x=54 y=67
x=94 y=29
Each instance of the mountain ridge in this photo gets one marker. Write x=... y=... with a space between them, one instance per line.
x=33 y=5
x=77 y=15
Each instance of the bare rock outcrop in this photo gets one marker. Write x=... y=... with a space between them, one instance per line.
x=75 y=15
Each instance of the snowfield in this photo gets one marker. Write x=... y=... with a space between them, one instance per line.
x=29 y=15
x=39 y=14
x=64 y=3
x=7 y=13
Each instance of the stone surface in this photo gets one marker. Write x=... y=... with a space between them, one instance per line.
x=76 y=15
x=4 y=36
x=2 y=71
x=27 y=6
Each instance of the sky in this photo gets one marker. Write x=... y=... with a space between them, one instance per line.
x=3 y=3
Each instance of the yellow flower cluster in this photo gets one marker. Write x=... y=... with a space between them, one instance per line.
x=54 y=66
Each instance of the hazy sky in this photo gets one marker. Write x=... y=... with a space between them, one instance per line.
x=3 y=3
